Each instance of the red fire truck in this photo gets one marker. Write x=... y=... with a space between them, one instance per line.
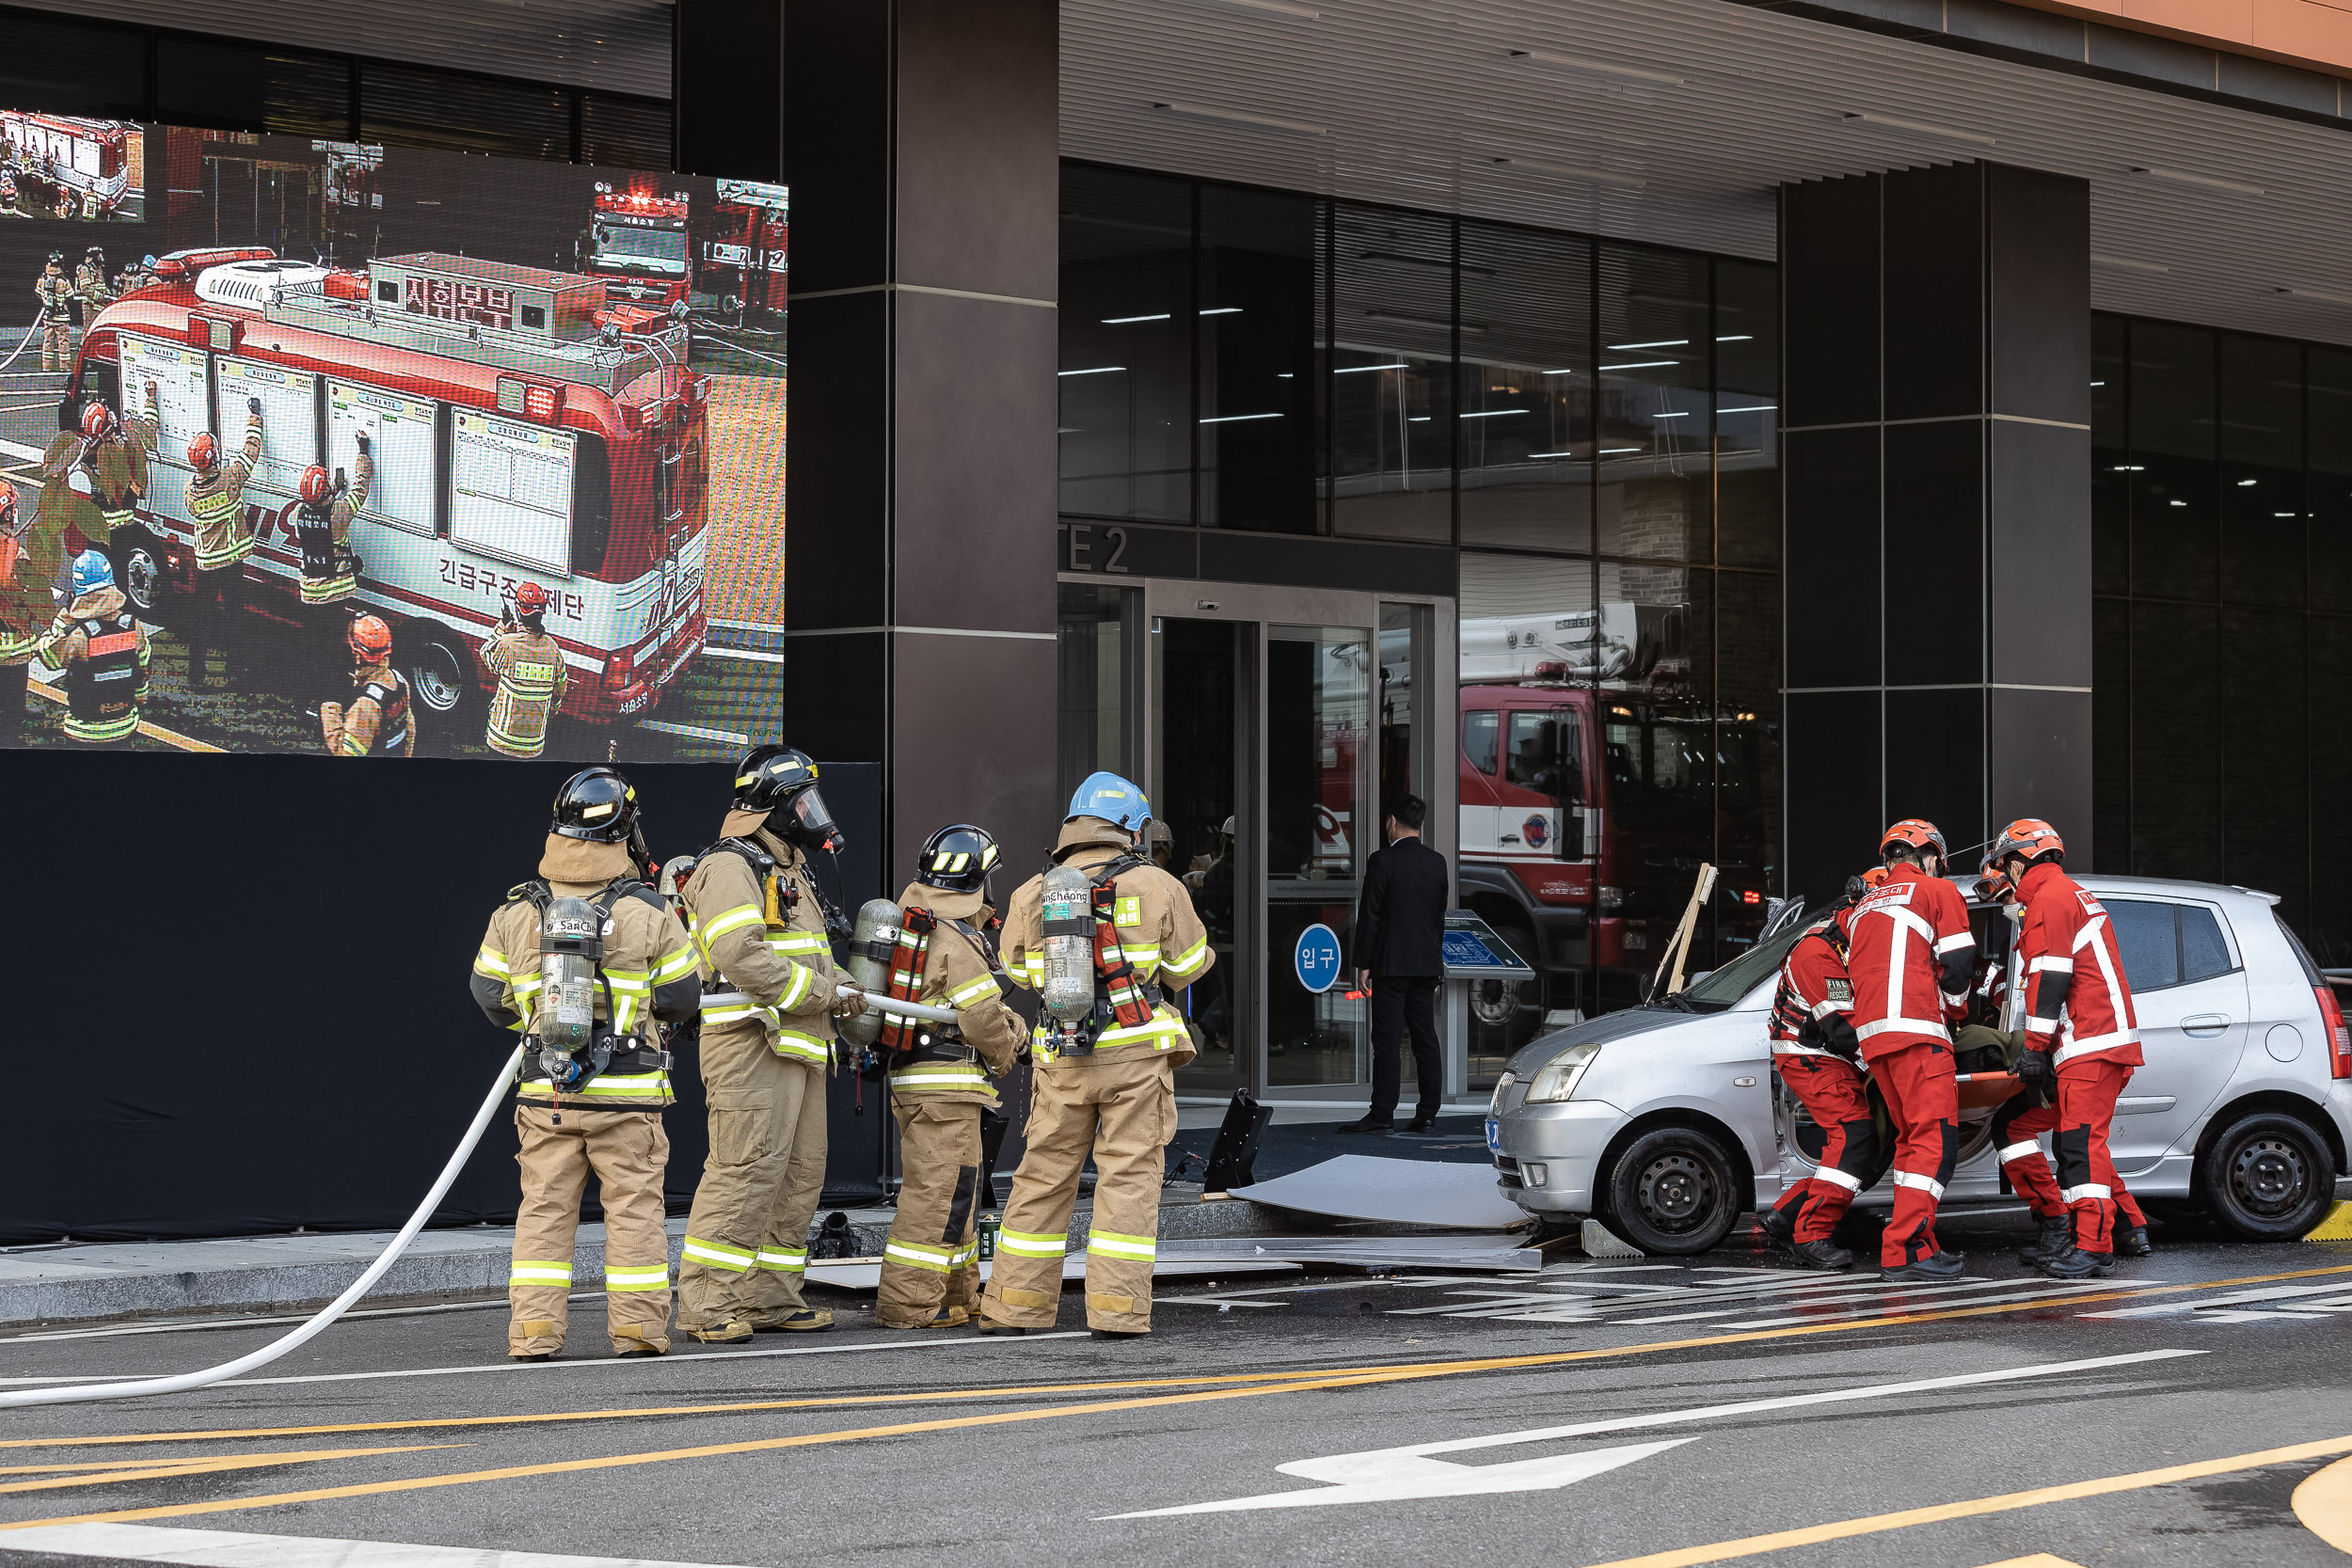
x=1591 y=789
x=638 y=245
x=514 y=441
x=54 y=156
x=741 y=249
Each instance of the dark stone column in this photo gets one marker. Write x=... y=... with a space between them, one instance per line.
x=921 y=140
x=1936 y=415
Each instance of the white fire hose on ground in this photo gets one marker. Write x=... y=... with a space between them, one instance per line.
x=375 y=1271
x=30 y=333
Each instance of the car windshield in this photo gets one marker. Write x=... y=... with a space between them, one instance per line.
x=1726 y=986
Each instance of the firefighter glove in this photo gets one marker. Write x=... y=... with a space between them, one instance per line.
x=253 y=407
x=848 y=1002
x=2034 y=1070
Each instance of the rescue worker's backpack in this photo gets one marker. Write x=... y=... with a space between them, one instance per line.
x=640 y=1056
x=391 y=706
x=105 y=686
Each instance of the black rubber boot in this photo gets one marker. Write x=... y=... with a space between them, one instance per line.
x=2074 y=1263
x=1936 y=1268
x=2131 y=1241
x=1823 y=1253
x=1779 y=1230
x=2056 y=1236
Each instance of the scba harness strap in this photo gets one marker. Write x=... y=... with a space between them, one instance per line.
x=640 y=1055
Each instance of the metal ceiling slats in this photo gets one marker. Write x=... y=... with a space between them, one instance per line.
x=1417 y=98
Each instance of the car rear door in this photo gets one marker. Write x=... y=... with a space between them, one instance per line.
x=2188 y=988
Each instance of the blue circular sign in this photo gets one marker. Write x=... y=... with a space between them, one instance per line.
x=1317 y=957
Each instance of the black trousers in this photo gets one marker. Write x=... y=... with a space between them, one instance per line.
x=1400 y=1002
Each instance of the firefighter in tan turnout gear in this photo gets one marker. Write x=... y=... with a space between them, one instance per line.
x=216 y=500
x=1122 y=935
x=770 y=997
x=585 y=961
x=529 y=665
x=56 y=323
x=939 y=1080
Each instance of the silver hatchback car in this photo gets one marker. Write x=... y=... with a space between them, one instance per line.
x=1666 y=1121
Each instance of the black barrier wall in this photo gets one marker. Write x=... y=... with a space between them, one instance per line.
x=239 y=987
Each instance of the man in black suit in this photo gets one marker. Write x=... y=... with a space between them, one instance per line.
x=1399 y=958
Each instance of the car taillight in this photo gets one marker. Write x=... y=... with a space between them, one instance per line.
x=620 y=670
x=2339 y=1038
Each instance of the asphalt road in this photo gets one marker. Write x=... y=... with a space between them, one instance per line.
x=1604 y=1413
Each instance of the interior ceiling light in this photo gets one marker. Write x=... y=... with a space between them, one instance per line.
x=1436 y=263
x=2204 y=182
x=1598 y=176
x=2314 y=294
x=1265 y=7
x=1920 y=128
x=1234 y=116
x=1378 y=313
x=1602 y=69
x=2126 y=264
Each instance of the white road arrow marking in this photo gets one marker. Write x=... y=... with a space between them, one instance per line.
x=1387 y=1475
x=1391 y=1475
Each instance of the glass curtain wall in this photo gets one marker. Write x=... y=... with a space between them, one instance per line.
x=2223 y=555
x=1595 y=427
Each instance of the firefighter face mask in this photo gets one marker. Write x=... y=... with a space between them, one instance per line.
x=807 y=821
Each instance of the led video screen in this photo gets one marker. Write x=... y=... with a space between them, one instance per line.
x=367 y=451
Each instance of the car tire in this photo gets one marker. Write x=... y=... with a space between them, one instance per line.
x=1671 y=1193
x=442 y=680
x=2267 y=1176
x=138 y=562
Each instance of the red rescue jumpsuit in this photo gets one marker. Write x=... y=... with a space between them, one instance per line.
x=2078 y=1009
x=2020 y=1121
x=1912 y=960
x=1814 y=1052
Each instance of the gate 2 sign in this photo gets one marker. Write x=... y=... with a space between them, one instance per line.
x=1317 y=957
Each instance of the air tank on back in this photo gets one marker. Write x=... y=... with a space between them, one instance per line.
x=872 y=944
x=1068 y=932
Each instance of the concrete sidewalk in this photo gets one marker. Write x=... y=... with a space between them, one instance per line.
x=287 y=1274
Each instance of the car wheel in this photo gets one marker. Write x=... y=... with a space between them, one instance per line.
x=1506 y=1014
x=440 y=675
x=1672 y=1191
x=2268 y=1177
x=139 y=571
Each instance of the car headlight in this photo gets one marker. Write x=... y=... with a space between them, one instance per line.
x=1557 y=1078
x=1494 y=1102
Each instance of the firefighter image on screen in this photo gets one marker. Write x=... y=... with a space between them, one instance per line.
x=114 y=460
x=29 y=563
x=224 y=537
x=529 y=665
x=375 y=721
x=101 y=654
x=55 y=293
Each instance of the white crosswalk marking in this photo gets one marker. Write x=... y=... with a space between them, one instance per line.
x=207 y=1548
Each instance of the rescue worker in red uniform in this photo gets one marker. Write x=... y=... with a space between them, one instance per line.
x=1815 y=1051
x=1913 y=960
x=2082 y=1039
x=2031 y=1111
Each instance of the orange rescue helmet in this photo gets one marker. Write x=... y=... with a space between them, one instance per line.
x=1913 y=833
x=2029 y=839
x=530 y=599
x=203 y=453
x=371 y=640
x=98 y=420
x=313 y=485
x=8 y=505
x=1993 y=883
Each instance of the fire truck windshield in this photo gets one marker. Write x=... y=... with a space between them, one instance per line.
x=627 y=247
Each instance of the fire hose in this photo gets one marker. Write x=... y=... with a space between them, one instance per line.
x=30 y=333
x=336 y=1308
x=294 y=1340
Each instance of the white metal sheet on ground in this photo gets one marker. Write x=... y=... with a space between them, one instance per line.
x=858 y=1274
x=1483 y=1253
x=206 y=1548
x=1404 y=1192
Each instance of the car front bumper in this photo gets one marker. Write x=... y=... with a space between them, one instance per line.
x=1545 y=1155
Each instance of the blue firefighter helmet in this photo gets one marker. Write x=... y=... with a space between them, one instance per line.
x=1112 y=799
x=92 y=572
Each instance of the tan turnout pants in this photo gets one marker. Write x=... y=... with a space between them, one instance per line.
x=56 y=347
x=747 y=1239
x=628 y=1151
x=1124 y=1111
x=931 y=1259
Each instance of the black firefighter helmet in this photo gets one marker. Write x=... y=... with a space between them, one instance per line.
x=957 y=858
x=597 y=804
x=783 y=780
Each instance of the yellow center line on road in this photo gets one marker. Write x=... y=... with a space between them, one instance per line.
x=1844 y=1530
x=1317 y=1377
x=197 y=1466
x=1365 y=1377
